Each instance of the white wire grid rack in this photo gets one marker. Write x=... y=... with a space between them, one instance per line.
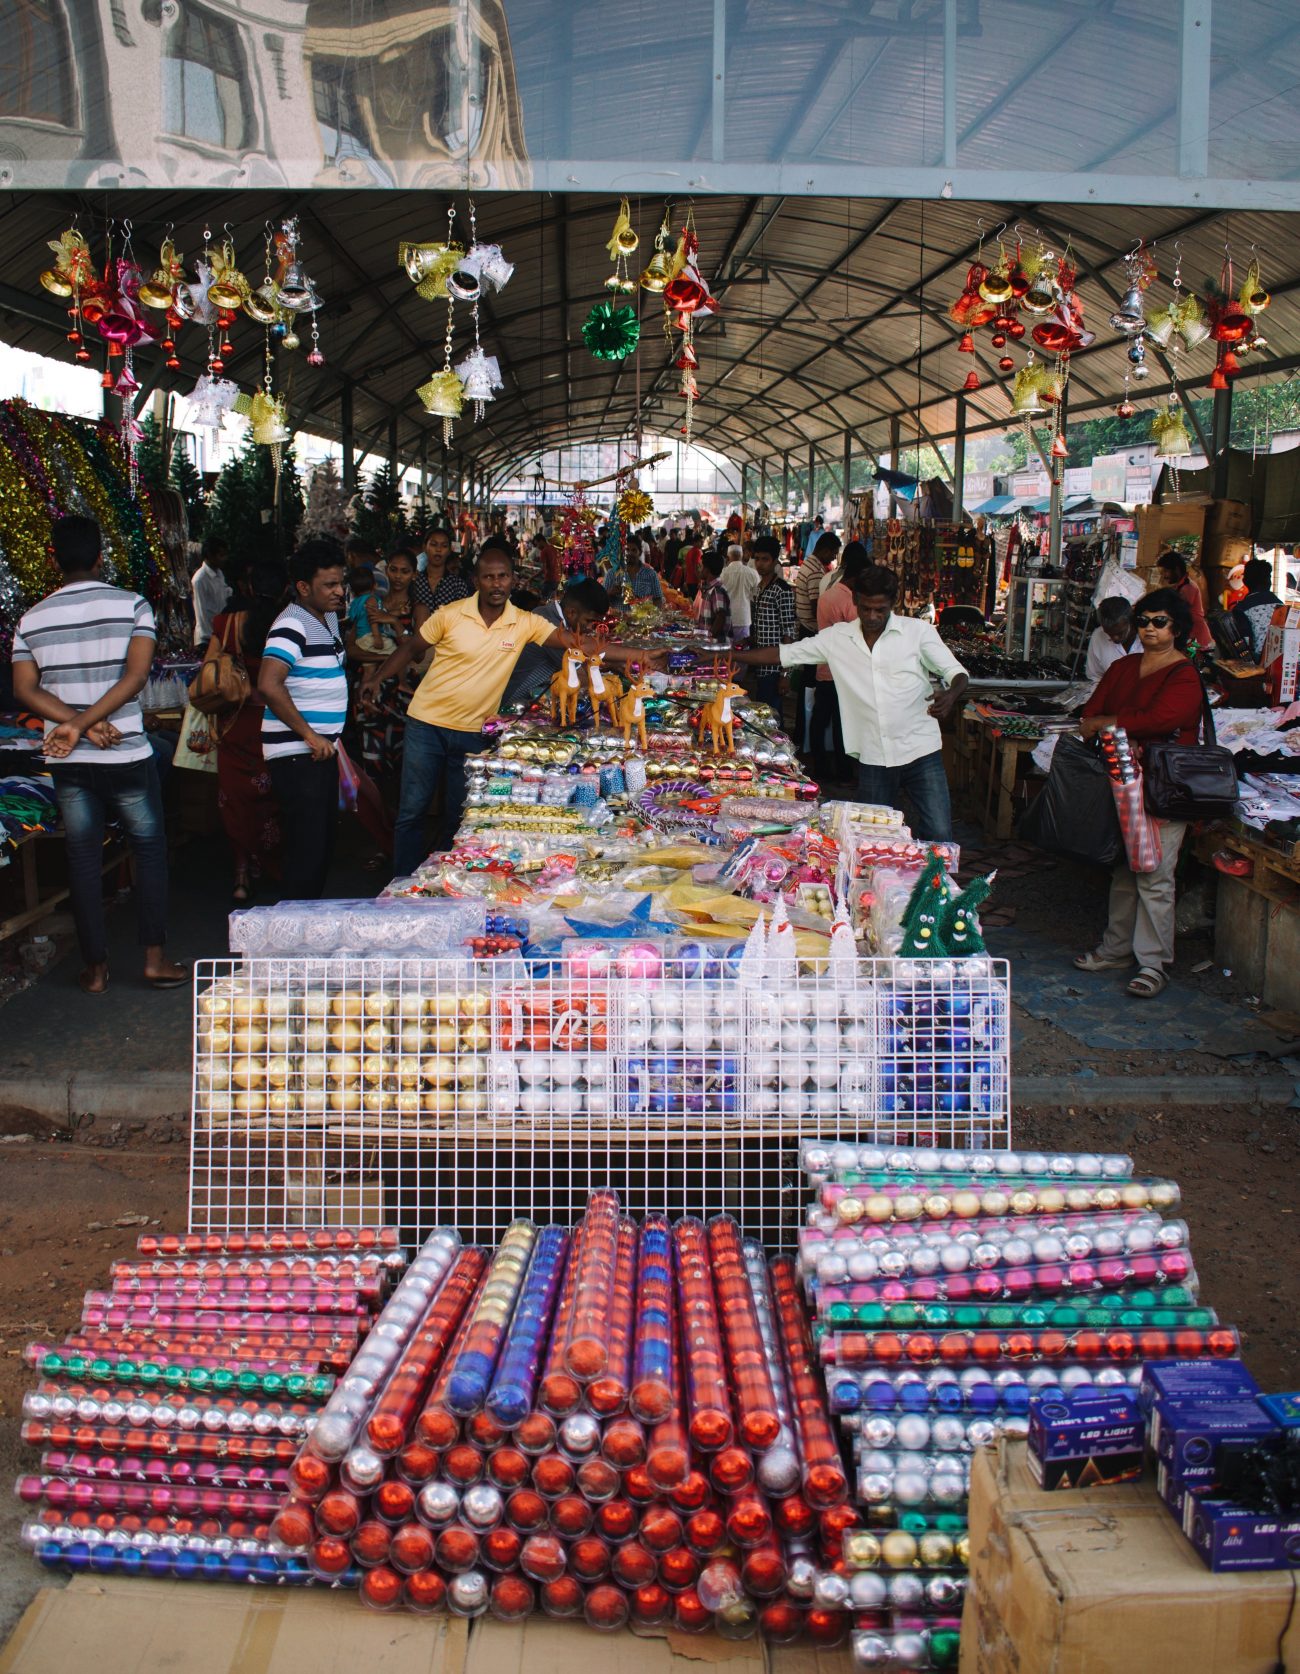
x=440 y=1092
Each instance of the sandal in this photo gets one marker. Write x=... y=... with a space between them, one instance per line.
x=83 y=982
x=1147 y=984
x=180 y=980
x=1097 y=961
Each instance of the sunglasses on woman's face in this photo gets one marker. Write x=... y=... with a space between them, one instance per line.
x=1153 y=621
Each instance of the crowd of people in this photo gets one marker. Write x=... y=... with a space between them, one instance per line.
x=348 y=667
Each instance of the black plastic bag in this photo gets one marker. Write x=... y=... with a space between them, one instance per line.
x=1074 y=813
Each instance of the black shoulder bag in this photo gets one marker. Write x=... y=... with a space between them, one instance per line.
x=1191 y=781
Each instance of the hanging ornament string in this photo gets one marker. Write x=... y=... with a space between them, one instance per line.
x=443 y=394
x=479 y=373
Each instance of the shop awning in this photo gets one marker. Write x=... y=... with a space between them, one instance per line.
x=999 y=506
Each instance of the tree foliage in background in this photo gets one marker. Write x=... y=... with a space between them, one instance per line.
x=180 y=473
x=327 y=511
x=243 y=504
x=378 y=515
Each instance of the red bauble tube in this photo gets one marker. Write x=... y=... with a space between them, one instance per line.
x=542 y=1557
x=607 y=1394
x=708 y=1402
x=511 y=1598
x=633 y=1564
x=624 y=1442
x=706 y=1531
x=508 y=1467
x=456 y=1549
x=425 y=1592
x=586 y=1350
x=526 y=1510
x=824 y=1481
x=652 y=1604
x=435 y=1425
x=751 y=1383
x=617 y=1519
x=679 y=1568
x=390 y=1423
x=500 y=1548
x=559 y=1392
x=381 y=1588
x=589 y=1558
x=571 y=1516
x=689 y=1615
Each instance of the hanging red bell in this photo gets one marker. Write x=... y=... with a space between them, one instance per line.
x=1230 y=363
x=972 y=381
x=106 y=379
x=1058 y=448
x=999 y=339
x=1217 y=379
x=1006 y=364
x=115 y=351
x=967 y=344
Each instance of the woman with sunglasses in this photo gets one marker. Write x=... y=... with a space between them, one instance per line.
x=1155 y=694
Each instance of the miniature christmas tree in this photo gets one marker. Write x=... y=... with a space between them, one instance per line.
x=187 y=480
x=922 y=918
x=959 y=924
x=378 y=515
x=327 y=511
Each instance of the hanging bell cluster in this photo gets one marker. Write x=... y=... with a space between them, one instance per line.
x=659 y=270
x=1169 y=432
x=686 y=299
x=441 y=269
x=623 y=242
x=1025 y=291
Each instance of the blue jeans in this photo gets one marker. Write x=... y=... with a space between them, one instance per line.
x=923 y=783
x=88 y=792
x=431 y=756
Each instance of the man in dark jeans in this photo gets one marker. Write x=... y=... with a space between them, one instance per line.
x=81 y=658
x=304 y=685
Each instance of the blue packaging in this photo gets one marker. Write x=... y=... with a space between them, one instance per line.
x=1194 y=1380
x=1231 y=1538
x=1284 y=1410
x=1085 y=1439
x=1187 y=1436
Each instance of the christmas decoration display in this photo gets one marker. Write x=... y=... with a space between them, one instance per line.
x=327 y=511
x=611 y=330
x=686 y=297
x=174 y=1463
x=1024 y=290
x=623 y=242
x=447 y=270
x=918 y=1377
x=659 y=270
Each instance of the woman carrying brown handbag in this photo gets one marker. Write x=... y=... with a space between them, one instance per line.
x=246 y=802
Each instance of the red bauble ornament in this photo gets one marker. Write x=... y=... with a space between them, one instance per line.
x=1006 y=364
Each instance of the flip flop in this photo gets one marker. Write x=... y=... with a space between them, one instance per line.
x=83 y=982
x=181 y=981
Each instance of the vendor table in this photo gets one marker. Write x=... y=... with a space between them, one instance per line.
x=1257 y=918
x=35 y=903
x=986 y=766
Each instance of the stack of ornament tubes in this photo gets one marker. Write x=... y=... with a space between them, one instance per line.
x=170 y=1418
x=950 y=1287
x=621 y=1423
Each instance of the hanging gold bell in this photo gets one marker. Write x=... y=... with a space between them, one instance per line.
x=1193 y=323
x=996 y=286
x=443 y=395
x=1025 y=391
x=627 y=240
x=1041 y=296
x=58 y=284
x=1254 y=298
x=418 y=259
x=260 y=305
x=156 y=292
x=658 y=273
x=1162 y=326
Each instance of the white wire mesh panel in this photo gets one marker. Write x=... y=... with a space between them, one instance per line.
x=441 y=1092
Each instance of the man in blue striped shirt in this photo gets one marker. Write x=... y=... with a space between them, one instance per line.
x=304 y=685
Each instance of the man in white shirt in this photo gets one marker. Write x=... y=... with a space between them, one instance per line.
x=741 y=583
x=884 y=667
x=210 y=588
x=1116 y=637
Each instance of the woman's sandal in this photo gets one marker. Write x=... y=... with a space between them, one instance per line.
x=1147 y=984
x=1096 y=961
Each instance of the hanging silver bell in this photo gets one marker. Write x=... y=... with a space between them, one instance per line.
x=1129 y=317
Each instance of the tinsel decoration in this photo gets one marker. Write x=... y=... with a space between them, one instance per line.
x=634 y=506
x=611 y=331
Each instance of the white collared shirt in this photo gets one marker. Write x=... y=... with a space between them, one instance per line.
x=884 y=693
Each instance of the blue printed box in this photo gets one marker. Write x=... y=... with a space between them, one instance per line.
x=1194 y=1380
x=1085 y=1439
x=1188 y=1436
x=1230 y=1538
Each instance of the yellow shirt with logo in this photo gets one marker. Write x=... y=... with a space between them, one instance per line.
x=473 y=662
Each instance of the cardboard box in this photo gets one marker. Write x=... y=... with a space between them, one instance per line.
x=1281 y=655
x=1102 y=1581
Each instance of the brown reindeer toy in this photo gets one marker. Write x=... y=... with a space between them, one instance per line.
x=606 y=689
x=631 y=708
x=566 y=689
x=716 y=717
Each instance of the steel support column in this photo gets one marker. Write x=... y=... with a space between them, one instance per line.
x=785 y=487
x=347 y=435
x=812 y=480
x=895 y=447
x=1058 y=481
x=1194 y=91
x=847 y=466
x=959 y=461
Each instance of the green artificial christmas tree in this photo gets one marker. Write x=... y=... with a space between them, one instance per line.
x=922 y=923
x=149 y=456
x=959 y=925
x=186 y=479
x=243 y=509
x=378 y=515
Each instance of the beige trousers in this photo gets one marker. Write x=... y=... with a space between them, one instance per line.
x=1142 y=906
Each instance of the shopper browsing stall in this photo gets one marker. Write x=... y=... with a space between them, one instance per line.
x=476 y=643
x=1254 y=611
x=442 y=580
x=741 y=583
x=81 y=658
x=774 y=619
x=884 y=667
x=1173 y=574
x=304 y=684
x=579 y=608
x=1115 y=636
x=808 y=580
x=1155 y=694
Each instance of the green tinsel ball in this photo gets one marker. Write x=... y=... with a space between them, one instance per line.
x=611 y=331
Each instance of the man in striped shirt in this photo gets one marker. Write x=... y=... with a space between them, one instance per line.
x=304 y=685
x=81 y=658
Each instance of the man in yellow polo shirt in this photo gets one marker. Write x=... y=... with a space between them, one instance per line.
x=476 y=643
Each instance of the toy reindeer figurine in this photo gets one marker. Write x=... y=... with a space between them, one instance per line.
x=606 y=689
x=631 y=708
x=717 y=719
x=566 y=688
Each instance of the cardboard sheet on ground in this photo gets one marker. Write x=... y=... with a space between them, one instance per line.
x=120 y=1626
